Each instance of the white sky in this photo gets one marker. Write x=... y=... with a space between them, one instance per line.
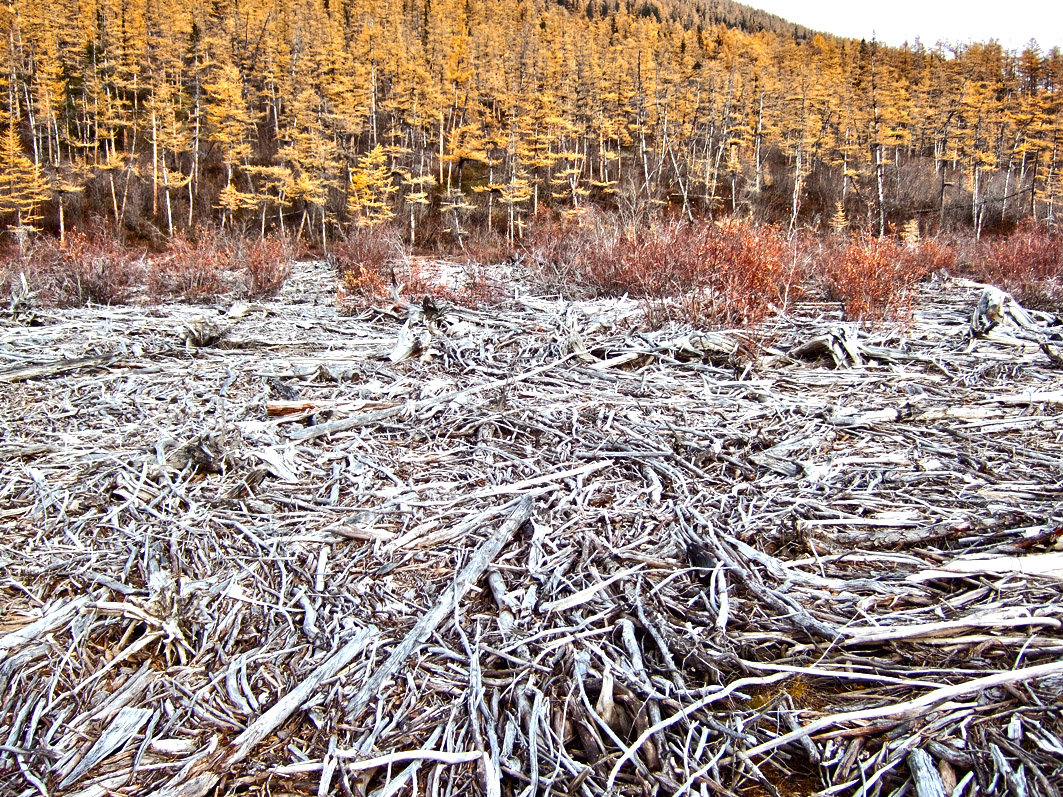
x=1012 y=23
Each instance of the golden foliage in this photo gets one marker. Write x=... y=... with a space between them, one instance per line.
x=272 y=108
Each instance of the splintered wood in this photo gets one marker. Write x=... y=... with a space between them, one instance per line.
x=529 y=550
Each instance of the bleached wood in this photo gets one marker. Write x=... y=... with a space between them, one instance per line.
x=925 y=776
x=481 y=558
x=916 y=706
x=206 y=773
x=867 y=523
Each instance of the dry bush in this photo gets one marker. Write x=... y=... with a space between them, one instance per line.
x=557 y=248
x=366 y=258
x=268 y=263
x=363 y=285
x=188 y=270
x=97 y=267
x=420 y=277
x=92 y=267
x=375 y=267
x=480 y=288
x=476 y=281
x=729 y=273
x=464 y=283
x=874 y=277
x=933 y=257
x=486 y=248
x=212 y=263
x=1028 y=264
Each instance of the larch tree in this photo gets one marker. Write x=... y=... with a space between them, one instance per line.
x=369 y=200
x=230 y=127
x=23 y=186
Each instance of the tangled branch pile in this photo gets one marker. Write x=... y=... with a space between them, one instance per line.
x=282 y=550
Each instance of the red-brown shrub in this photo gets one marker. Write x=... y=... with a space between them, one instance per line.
x=187 y=270
x=375 y=267
x=365 y=258
x=557 y=248
x=729 y=273
x=268 y=263
x=212 y=264
x=96 y=267
x=874 y=277
x=1028 y=263
x=91 y=267
x=486 y=248
x=933 y=256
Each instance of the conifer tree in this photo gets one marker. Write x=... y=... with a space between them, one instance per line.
x=23 y=187
x=229 y=127
x=371 y=189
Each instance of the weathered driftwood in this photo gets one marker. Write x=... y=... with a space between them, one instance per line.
x=43 y=370
x=925 y=776
x=204 y=773
x=999 y=317
x=527 y=549
x=448 y=601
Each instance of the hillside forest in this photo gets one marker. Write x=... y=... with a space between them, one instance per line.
x=444 y=119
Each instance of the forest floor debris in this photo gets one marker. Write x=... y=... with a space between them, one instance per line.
x=278 y=548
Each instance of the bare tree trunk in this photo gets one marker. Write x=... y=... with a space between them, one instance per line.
x=941 y=199
x=129 y=172
x=114 y=199
x=796 y=202
x=193 y=177
x=845 y=171
x=879 y=167
x=372 y=103
x=976 y=215
x=166 y=188
x=1007 y=188
x=154 y=165
x=1033 y=187
x=879 y=171
x=683 y=188
x=759 y=139
x=32 y=122
x=302 y=223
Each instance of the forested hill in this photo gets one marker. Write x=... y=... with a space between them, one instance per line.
x=707 y=13
x=312 y=115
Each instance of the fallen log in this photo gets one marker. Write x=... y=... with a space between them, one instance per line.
x=203 y=774
x=21 y=373
x=443 y=608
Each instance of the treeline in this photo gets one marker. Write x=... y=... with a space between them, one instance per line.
x=309 y=116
